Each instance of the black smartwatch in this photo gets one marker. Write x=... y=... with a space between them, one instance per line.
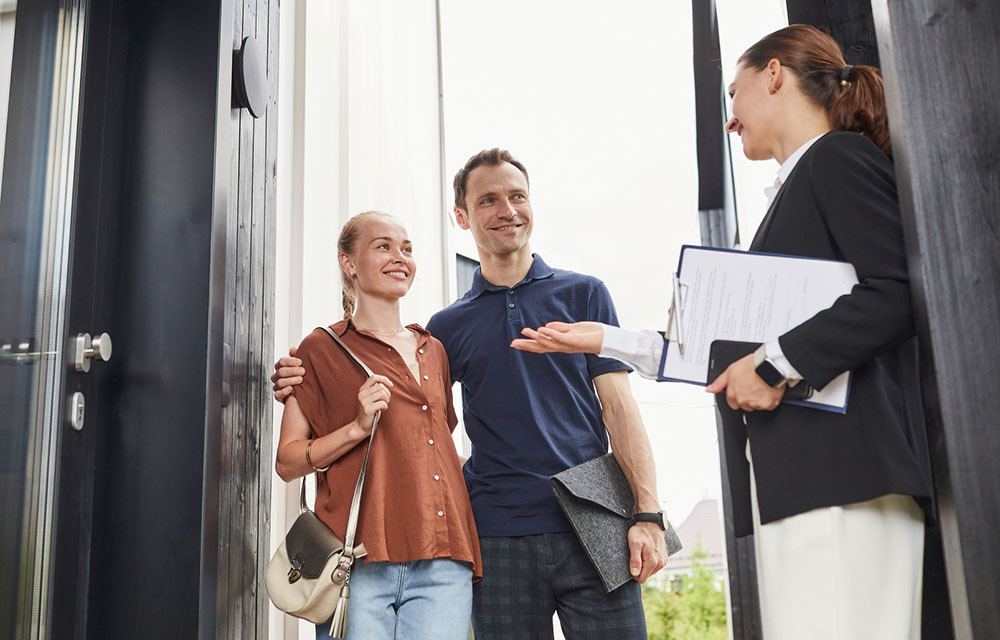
x=766 y=370
x=650 y=517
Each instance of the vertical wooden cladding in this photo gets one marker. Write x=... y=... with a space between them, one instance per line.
x=848 y=21
x=942 y=88
x=246 y=463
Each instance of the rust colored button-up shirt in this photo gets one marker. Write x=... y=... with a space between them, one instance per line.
x=415 y=505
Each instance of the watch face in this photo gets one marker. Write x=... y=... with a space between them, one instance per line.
x=769 y=374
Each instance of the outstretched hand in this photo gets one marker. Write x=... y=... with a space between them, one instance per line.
x=562 y=337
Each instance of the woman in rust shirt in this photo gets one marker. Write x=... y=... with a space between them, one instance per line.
x=415 y=521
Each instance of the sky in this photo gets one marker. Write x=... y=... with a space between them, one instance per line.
x=598 y=103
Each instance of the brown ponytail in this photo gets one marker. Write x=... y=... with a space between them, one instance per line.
x=858 y=104
x=348 y=244
x=861 y=107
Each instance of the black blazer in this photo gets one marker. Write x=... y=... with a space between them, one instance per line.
x=840 y=203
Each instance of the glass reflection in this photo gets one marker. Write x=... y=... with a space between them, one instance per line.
x=41 y=47
x=8 y=11
x=12 y=419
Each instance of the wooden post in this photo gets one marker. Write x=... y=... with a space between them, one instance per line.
x=848 y=21
x=939 y=61
x=247 y=462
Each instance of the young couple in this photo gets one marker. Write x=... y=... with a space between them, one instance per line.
x=528 y=417
x=848 y=486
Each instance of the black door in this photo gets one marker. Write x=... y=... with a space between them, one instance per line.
x=110 y=316
x=92 y=385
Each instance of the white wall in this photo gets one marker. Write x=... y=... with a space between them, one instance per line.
x=8 y=14
x=358 y=104
x=394 y=146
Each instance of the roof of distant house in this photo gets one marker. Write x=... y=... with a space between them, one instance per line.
x=701 y=526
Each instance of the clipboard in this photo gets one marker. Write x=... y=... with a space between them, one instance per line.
x=750 y=297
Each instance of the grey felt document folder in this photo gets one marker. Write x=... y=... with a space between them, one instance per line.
x=598 y=502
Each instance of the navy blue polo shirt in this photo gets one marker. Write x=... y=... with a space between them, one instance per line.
x=529 y=416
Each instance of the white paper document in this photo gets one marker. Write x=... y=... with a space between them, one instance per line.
x=750 y=297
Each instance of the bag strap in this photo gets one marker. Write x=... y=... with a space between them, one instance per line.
x=352 y=522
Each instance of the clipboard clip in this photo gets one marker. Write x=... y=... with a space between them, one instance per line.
x=674 y=315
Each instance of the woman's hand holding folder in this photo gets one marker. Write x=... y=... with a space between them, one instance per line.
x=745 y=389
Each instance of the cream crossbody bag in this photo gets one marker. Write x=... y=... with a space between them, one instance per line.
x=309 y=575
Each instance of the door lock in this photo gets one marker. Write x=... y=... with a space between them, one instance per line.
x=76 y=409
x=85 y=348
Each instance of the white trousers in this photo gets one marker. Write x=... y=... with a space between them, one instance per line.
x=841 y=573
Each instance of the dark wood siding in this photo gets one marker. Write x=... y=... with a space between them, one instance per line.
x=246 y=464
x=942 y=87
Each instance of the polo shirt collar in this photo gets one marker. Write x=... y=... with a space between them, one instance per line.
x=538 y=271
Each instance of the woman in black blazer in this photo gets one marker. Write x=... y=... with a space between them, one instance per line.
x=832 y=498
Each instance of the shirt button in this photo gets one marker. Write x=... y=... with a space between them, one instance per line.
x=423 y=408
x=431 y=441
x=437 y=477
x=511 y=305
x=440 y=513
x=510 y=291
x=420 y=350
x=427 y=377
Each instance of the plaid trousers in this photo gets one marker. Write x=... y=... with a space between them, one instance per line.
x=528 y=578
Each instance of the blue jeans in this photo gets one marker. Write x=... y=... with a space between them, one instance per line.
x=408 y=600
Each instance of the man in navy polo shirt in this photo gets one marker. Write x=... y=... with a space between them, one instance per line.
x=531 y=416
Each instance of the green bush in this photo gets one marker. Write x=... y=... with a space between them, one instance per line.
x=693 y=608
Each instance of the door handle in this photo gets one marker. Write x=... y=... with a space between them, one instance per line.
x=86 y=348
x=21 y=351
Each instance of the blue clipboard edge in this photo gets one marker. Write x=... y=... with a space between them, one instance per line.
x=801 y=403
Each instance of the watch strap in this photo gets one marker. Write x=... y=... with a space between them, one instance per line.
x=656 y=518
